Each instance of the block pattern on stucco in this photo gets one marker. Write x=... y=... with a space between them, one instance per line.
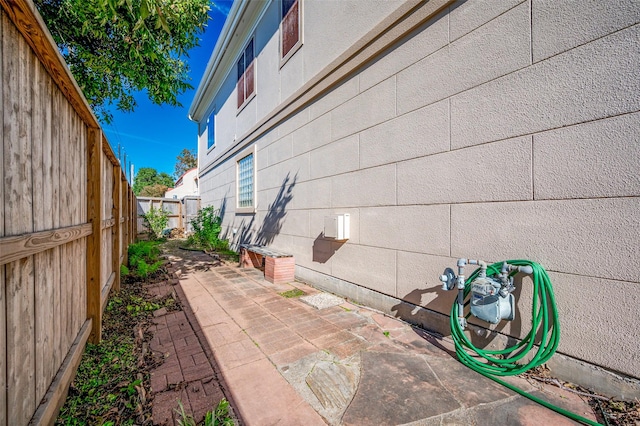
x=497 y=130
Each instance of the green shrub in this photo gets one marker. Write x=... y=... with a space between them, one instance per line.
x=147 y=250
x=206 y=230
x=143 y=258
x=156 y=220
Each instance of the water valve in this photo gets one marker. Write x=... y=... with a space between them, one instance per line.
x=448 y=279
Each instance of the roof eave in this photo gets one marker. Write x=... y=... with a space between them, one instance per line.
x=198 y=107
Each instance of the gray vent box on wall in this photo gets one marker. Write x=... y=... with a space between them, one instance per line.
x=336 y=226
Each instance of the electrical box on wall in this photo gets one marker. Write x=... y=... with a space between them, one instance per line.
x=337 y=226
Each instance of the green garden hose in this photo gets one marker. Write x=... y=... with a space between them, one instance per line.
x=505 y=362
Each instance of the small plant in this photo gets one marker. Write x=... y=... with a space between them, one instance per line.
x=185 y=419
x=206 y=229
x=139 y=305
x=143 y=259
x=386 y=333
x=219 y=417
x=156 y=220
x=296 y=292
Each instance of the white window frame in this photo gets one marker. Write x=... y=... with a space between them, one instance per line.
x=244 y=154
x=284 y=59
x=254 y=62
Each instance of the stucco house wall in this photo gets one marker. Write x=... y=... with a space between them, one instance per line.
x=492 y=130
x=187 y=184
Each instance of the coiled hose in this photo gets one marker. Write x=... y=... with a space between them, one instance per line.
x=505 y=362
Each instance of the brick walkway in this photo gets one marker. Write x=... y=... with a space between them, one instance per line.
x=187 y=374
x=288 y=363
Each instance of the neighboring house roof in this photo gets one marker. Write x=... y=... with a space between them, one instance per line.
x=222 y=60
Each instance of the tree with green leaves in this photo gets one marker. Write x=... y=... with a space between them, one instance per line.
x=186 y=160
x=148 y=177
x=155 y=190
x=115 y=48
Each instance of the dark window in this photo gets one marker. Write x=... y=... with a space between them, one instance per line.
x=246 y=75
x=286 y=6
x=211 y=130
x=290 y=26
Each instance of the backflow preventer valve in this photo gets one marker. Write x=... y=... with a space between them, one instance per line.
x=491 y=296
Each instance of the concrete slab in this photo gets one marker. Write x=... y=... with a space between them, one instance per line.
x=330 y=391
x=322 y=300
x=397 y=388
x=332 y=383
x=467 y=387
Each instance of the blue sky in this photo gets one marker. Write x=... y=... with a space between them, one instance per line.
x=153 y=135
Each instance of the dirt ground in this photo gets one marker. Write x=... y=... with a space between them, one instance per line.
x=142 y=370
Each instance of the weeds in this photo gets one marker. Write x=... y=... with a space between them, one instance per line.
x=207 y=226
x=206 y=230
x=143 y=259
x=296 y=292
x=108 y=386
x=156 y=220
x=219 y=417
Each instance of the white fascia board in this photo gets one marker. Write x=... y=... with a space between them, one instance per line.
x=220 y=48
x=242 y=20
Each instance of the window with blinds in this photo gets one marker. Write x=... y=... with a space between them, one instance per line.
x=246 y=74
x=290 y=28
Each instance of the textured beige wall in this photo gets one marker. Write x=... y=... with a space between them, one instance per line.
x=498 y=130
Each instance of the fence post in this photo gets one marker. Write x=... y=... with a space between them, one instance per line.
x=94 y=245
x=126 y=212
x=134 y=218
x=116 y=246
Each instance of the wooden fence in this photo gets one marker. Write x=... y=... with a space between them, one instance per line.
x=180 y=212
x=67 y=217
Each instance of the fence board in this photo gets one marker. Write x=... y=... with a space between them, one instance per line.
x=115 y=254
x=94 y=243
x=3 y=325
x=46 y=364
x=42 y=295
x=58 y=353
x=18 y=219
x=74 y=188
x=3 y=353
x=21 y=401
x=65 y=220
x=45 y=318
x=57 y=100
